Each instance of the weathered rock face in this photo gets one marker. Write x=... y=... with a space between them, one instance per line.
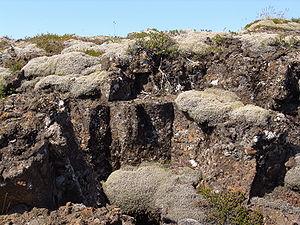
x=141 y=132
x=41 y=163
x=232 y=114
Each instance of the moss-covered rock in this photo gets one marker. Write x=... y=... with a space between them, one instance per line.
x=213 y=106
x=155 y=191
x=69 y=63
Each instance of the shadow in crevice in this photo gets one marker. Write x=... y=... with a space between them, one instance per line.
x=146 y=131
x=74 y=176
x=271 y=169
x=99 y=145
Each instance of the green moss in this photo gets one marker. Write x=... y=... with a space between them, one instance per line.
x=157 y=44
x=92 y=52
x=227 y=208
x=14 y=65
x=51 y=43
x=279 y=21
x=269 y=27
x=250 y=24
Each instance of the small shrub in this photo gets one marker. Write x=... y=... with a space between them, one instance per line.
x=4 y=92
x=15 y=65
x=174 y=32
x=205 y=30
x=295 y=20
x=92 y=52
x=137 y=35
x=227 y=208
x=270 y=12
x=219 y=40
x=156 y=44
x=51 y=43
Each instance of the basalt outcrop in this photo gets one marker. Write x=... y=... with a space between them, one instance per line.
x=224 y=104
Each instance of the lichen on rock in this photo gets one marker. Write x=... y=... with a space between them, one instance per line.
x=213 y=106
x=156 y=191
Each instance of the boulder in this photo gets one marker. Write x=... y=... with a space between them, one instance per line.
x=80 y=46
x=63 y=64
x=74 y=85
x=212 y=106
x=155 y=191
x=109 y=86
x=292 y=178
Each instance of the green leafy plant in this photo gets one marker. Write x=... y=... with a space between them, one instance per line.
x=51 y=43
x=228 y=208
x=156 y=44
x=92 y=52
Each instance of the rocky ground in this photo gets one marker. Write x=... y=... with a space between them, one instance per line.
x=178 y=127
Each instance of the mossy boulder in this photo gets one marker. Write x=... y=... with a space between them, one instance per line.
x=69 y=63
x=213 y=106
x=156 y=191
x=274 y=24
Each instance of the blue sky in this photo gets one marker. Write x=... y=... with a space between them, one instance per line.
x=21 y=18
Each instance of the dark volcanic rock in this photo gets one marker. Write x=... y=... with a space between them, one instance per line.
x=70 y=214
x=64 y=133
x=41 y=163
x=141 y=132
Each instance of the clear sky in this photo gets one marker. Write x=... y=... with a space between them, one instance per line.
x=21 y=18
